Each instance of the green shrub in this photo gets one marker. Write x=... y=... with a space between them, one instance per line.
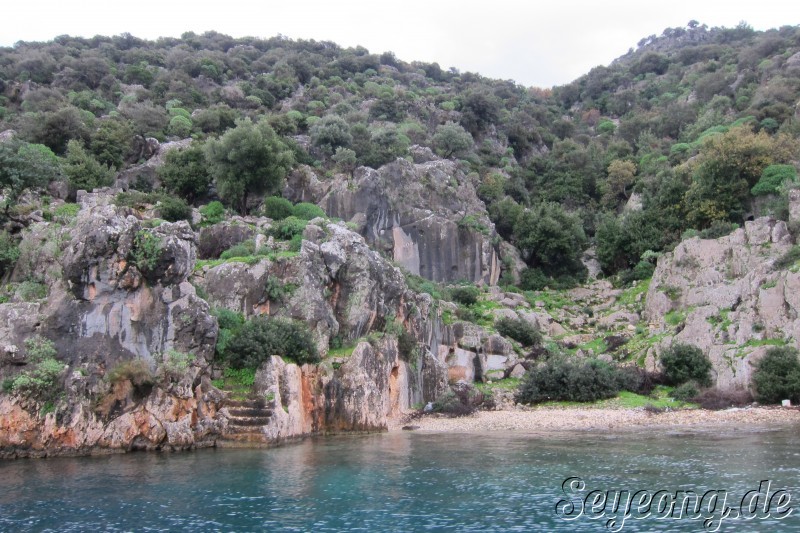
x=520 y=330
x=173 y=209
x=29 y=291
x=686 y=392
x=772 y=178
x=465 y=294
x=777 y=376
x=564 y=380
x=39 y=348
x=174 y=365
x=229 y=323
x=406 y=344
x=260 y=338
x=295 y=243
x=684 y=362
x=243 y=249
x=65 y=212
x=137 y=199
x=788 y=259
x=635 y=379
x=307 y=211
x=137 y=371
x=9 y=252
x=717 y=229
x=40 y=380
x=146 y=250
x=289 y=227
x=277 y=208
x=213 y=213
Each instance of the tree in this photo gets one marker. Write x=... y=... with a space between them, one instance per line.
x=83 y=171
x=111 y=143
x=551 y=239
x=23 y=166
x=330 y=133
x=621 y=176
x=248 y=159
x=346 y=159
x=452 y=140
x=185 y=172
x=728 y=166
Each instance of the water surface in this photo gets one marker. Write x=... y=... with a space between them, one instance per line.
x=402 y=482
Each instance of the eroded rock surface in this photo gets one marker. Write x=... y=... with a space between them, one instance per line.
x=729 y=298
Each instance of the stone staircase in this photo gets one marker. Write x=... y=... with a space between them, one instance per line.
x=247 y=419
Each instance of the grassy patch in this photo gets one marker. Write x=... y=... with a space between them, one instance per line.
x=661 y=398
x=552 y=299
x=674 y=318
x=630 y=297
x=501 y=384
x=597 y=346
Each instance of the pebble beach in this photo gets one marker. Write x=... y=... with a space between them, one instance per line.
x=569 y=419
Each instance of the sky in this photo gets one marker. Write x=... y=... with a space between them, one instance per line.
x=534 y=43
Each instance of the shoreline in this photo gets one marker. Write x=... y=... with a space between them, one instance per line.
x=594 y=419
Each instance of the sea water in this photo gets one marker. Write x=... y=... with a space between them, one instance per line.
x=410 y=481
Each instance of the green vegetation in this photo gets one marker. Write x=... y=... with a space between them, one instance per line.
x=146 y=251
x=520 y=330
x=40 y=378
x=777 y=376
x=259 y=338
x=683 y=363
x=576 y=381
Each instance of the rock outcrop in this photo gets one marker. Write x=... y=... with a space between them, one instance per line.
x=426 y=216
x=728 y=298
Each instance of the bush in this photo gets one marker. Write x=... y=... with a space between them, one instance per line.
x=717 y=229
x=213 y=213
x=173 y=209
x=277 y=208
x=519 y=330
x=137 y=371
x=772 y=178
x=229 y=323
x=636 y=380
x=260 y=338
x=288 y=228
x=174 y=365
x=576 y=381
x=777 y=376
x=717 y=399
x=65 y=212
x=683 y=362
x=788 y=259
x=686 y=392
x=307 y=211
x=459 y=401
x=40 y=380
x=9 y=252
x=465 y=294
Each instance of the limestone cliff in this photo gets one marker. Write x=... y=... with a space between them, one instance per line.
x=728 y=298
x=119 y=306
x=426 y=216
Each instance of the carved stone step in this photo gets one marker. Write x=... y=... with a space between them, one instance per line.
x=249 y=421
x=249 y=411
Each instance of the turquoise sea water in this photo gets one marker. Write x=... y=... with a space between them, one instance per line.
x=413 y=482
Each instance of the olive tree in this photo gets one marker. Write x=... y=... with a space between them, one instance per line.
x=248 y=159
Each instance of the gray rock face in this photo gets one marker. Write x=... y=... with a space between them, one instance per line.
x=217 y=238
x=426 y=216
x=155 y=154
x=128 y=290
x=731 y=300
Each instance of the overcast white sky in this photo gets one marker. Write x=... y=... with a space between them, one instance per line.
x=532 y=42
